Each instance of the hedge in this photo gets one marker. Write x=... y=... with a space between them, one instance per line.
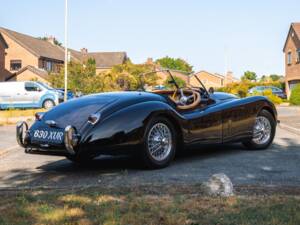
x=295 y=95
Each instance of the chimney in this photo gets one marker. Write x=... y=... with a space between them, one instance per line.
x=51 y=39
x=84 y=51
x=150 y=61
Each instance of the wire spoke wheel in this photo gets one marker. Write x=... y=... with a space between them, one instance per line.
x=159 y=141
x=262 y=130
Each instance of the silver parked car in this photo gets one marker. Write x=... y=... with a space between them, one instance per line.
x=28 y=94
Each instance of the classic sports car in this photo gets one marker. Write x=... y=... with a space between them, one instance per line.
x=153 y=124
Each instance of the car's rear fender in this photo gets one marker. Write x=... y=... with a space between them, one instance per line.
x=126 y=126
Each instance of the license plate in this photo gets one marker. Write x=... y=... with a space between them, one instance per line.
x=51 y=136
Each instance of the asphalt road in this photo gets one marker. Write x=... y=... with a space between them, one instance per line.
x=279 y=165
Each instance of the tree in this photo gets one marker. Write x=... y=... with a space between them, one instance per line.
x=56 y=42
x=275 y=77
x=127 y=76
x=81 y=77
x=181 y=83
x=248 y=75
x=175 y=64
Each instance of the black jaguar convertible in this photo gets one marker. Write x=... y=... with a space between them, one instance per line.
x=152 y=124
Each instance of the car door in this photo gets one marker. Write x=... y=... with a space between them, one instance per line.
x=205 y=123
x=32 y=93
x=238 y=120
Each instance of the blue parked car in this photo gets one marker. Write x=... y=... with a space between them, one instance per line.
x=70 y=94
x=275 y=91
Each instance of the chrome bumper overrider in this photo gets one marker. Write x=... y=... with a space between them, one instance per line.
x=21 y=132
x=71 y=138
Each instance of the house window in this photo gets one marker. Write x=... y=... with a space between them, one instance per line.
x=15 y=65
x=48 y=65
x=289 y=58
x=298 y=56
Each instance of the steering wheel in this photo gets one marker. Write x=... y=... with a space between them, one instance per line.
x=185 y=97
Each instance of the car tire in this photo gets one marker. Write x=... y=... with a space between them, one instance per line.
x=48 y=104
x=159 y=143
x=265 y=127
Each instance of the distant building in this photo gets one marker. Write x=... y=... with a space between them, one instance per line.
x=214 y=80
x=291 y=50
x=3 y=47
x=208 y=79
x=28 y=58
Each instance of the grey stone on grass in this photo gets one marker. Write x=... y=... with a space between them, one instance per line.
x=218 y=185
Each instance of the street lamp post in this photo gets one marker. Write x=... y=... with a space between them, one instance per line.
x=66 y=51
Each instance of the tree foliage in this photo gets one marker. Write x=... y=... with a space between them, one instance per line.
x=175 y=64
x=275 y=77
x=56 y=42
x=83 y=77
x=249 y=75
x=181 y=83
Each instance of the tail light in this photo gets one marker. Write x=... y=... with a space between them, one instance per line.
x=39 y=115
x=94 y=118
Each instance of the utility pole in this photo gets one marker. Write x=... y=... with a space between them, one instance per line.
x=66 y=51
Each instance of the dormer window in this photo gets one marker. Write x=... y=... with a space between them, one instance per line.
x=289 y=58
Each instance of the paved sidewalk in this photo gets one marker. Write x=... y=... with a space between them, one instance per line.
x=7 y=139
x=289 y=117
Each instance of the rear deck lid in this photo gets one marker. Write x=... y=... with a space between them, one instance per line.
x=76 y=112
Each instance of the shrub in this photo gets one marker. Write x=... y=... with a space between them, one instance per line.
x=268 y=93
x=295 y=95
x=241 y=88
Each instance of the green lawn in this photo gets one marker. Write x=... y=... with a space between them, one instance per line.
x=95 y=206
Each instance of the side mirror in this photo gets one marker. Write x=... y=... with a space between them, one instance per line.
x=211 y=90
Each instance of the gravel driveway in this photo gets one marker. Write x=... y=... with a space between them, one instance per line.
x=279 y=165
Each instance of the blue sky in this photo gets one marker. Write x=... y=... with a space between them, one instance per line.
x=249 y=35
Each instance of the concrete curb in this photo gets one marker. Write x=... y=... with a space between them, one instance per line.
x=289 y=128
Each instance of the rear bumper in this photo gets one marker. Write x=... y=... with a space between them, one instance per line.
x=71 y=139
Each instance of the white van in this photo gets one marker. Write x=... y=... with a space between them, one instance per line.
x=27 y=94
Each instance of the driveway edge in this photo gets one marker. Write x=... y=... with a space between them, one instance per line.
x=289 y=128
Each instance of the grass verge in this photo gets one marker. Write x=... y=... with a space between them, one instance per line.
x=96 y=206
x=11 y=116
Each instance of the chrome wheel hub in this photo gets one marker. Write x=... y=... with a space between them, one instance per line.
x=159 y=141
x=262 y=130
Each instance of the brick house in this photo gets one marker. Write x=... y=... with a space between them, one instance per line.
x=208 y=79
x=214 y=80
x=292 y=57
x=3 y=47
x=30 y=58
